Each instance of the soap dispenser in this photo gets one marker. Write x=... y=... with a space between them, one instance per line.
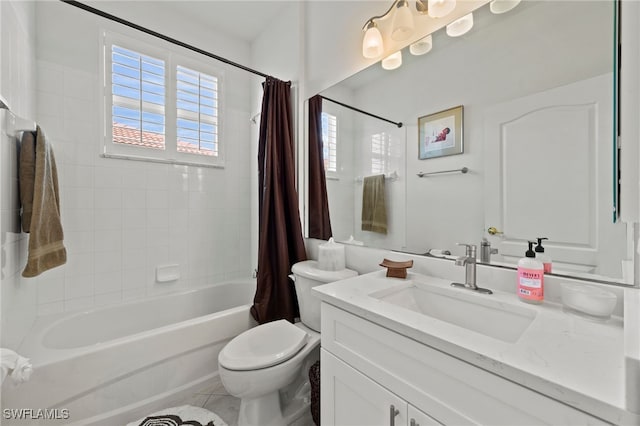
x=546 y=260
x=530 y=277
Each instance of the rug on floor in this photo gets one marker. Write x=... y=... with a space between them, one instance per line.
x=183 y=415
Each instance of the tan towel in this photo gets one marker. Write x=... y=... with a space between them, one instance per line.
x=38 y=178
x=374 y=207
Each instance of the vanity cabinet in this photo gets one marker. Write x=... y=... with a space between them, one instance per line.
x=368 y=370
x=351 y=398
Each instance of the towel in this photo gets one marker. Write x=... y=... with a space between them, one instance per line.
x=38 y=178
x=374 y=207
x=19 y=366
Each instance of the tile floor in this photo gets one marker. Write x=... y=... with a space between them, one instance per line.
x=215 y=398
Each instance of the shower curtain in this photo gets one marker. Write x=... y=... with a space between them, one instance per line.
x=318 y=215
x=280 y=240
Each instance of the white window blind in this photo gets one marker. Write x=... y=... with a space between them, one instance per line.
x=380 y=152
x=160 y=104
x=197 y=112
x=330 y=142
x=138 y=98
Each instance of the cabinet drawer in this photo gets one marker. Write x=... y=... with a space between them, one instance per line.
x=450 y=390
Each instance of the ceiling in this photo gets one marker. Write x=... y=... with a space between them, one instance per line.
x=237 y=19
x=240 y=19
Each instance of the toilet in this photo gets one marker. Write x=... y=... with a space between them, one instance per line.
x=266 y=366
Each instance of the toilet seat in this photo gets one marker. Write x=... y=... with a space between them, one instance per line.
x=263 y=346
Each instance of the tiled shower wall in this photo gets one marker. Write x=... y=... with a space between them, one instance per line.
x=17 y=86
x=124 y=218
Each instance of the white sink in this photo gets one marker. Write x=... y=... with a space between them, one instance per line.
x=476 y=312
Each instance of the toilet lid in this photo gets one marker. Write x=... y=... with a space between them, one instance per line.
x=263 y=346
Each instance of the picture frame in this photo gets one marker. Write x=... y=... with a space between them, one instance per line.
x=441 y=134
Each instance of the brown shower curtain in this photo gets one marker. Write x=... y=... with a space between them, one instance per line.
x=318 y=215
x=280 y=241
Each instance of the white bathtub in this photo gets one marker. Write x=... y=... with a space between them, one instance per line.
x=112 y=365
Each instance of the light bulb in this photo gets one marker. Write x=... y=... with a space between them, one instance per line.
x=502 y=6
x=440 y=8
x=372 y=42
x=421 y=46
x=392 y=61
x=402 y=22
x=460 y=26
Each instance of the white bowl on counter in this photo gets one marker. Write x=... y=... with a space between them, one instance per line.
x=588 y=300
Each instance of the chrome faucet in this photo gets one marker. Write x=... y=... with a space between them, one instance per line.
x=469 y=262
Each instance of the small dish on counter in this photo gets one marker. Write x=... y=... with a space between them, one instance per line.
x=587 y=300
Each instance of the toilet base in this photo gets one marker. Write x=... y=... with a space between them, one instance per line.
x=267 y=409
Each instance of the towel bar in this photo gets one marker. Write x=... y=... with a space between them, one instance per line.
x=462 y=170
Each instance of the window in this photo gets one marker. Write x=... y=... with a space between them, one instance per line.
x=197 y=110
x=330 y=142
x=138 y=98
x=380 y=152
x=160 y=106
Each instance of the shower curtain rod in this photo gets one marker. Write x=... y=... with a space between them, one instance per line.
x=399 y=123
x=160 y=36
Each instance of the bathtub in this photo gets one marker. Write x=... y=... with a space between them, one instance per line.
x=112 y=365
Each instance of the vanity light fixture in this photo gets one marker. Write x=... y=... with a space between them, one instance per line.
x=392 y=61
x=502 y=6
x=440 y=8
x=421 y=46
x=402 y=24
x=372 y=42
x=402 y=27
x=460 y=26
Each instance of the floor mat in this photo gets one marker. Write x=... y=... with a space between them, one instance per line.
x=183 y=415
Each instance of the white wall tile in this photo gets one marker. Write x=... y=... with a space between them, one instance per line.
x=108 y=240
x=108 y=282
x=78 y=304
x=134 y=198
x=108 y=219
x=51 y=291
x=108 y=198
x=78 y=286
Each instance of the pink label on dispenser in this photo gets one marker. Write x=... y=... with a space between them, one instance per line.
x=547 y=267
x=531 y=284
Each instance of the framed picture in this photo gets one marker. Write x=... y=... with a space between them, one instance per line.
x=440 y=134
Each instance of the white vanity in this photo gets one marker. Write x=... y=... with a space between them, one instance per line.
x=416 y=351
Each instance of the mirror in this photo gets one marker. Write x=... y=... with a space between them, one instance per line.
x=537 y=89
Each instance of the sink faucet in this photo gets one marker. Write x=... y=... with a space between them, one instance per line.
x=469 y=262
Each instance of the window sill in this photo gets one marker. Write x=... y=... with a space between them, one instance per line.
x=162 y=161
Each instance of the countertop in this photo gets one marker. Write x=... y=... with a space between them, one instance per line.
x=576 y=360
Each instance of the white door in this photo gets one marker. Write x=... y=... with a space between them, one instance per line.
x=548 y=165
x=349 y=398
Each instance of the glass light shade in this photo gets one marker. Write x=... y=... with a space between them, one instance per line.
x=502 y=6
x=402 y=22
x=392 y=61
x=372 y=43
x=421 y=46
x=460 y=26
x=440 y=8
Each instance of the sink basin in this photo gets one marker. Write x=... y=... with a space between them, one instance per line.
x=475 y=312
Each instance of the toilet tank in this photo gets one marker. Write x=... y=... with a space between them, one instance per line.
x=306 y=276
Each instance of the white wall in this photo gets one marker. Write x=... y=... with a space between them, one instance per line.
x=17 y=85
x=123 y=218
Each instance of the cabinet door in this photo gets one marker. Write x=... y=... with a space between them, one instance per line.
x=418 y=418
x=349 y=398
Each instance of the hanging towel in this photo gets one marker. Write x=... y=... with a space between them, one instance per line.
x=374 y=207
x=38 y=179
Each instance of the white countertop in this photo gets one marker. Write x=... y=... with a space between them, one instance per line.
x=578 y=361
